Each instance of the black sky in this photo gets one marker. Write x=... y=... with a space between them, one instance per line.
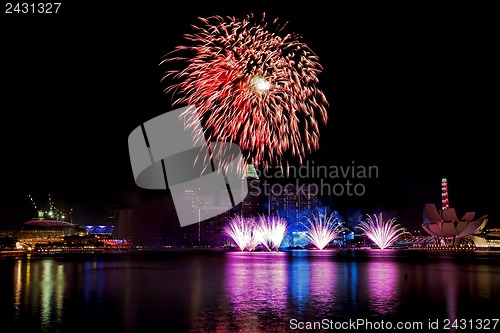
x=411 y=89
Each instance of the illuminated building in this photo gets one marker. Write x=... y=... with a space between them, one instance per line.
x=293 y=204
x=45 y=231
x=250 y=206
x=99 y=229
x=123 y=228
x=50 y=225
x=196 y=205
x=445 y=225
x=214 y=213
x=210 y=231
x=489 y=239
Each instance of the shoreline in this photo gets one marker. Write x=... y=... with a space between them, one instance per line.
x=180 y=250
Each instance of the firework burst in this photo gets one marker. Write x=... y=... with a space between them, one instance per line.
x=322 y=229
x=239 y=231
x=273 y=229
x=383 y=233
x=254 y=235
x=248 y=233
x=250 y=84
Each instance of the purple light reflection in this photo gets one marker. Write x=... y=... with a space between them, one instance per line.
x=256 y=283
x=383 y=286
x=323 y=277
x=450 y=290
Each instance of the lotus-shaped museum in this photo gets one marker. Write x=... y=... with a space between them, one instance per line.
x=445 y=224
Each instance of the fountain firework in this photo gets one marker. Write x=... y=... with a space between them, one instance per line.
x=273 y=230
x=254 y=235
x=322 y=229
x=248 y=233
x=239 y=231
x=383 y=233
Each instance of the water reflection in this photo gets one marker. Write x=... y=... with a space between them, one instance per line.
x=18 y=287
x=383 y=286
x=347 y=285
x=323 y=277
x=257 y=288
x=47 y=293
x=450 y=287
x=129 y=304
x=483 y=285
x=93 y=279
x=243 y=292
x=46 y=290
x=51 y=294
x=299 y=276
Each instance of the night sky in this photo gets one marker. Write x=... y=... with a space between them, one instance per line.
x=410 y=90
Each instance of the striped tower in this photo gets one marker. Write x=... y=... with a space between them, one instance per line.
x=444 y=194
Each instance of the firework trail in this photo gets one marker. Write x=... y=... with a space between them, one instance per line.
x=383 y=233
x=273 y=229
x=322 y=229
x=254 y=235
x=239 y=230
x=250 y=84
x=248 y=233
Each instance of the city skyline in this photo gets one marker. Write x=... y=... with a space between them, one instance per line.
x=412 y=101
x=367 y=131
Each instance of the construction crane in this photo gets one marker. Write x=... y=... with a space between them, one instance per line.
x=52 y=213
x=33 y=202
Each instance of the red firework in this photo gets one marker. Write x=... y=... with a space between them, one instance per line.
x=251 y=85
